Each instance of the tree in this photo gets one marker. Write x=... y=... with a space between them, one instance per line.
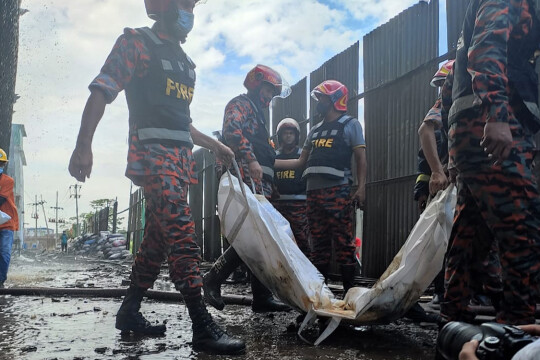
x=99 y=204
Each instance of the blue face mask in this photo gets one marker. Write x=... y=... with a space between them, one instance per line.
x=1 y=170
x=185 y=21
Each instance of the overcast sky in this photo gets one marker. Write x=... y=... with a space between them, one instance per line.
x=64 y=43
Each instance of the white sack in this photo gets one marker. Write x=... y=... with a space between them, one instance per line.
x=263 y=240
x=4 y=218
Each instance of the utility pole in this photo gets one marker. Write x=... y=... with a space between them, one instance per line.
x=76 y=195
x=56 y=208
x=36 y=216
x=45 y=216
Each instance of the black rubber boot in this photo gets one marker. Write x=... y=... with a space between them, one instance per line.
x=212 y=280
x=208 y=336
x=347 y=277
x=129 y=318
x=418 y=315
x=323 y=269
x=240 y=275
x=263 y=300
x=496 y=300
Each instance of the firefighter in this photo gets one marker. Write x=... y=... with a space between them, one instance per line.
x=433 y=154
x=291 y=202
x=245 y=131
x=159 y=79
x=492 y=119
x=434 y=146
x=327 y=156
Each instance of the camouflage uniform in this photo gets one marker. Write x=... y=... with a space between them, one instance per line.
x=165 y=172
x=495 y=202
x=330 y=210
x=330 y=214
x=243 y=119
x=487 y=273
x=421 y=187
x=292 y=201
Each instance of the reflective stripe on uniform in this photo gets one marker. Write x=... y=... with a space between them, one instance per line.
x=324 y=170
x=288 y=197
x=164 y=134
x=423 y=177
x=268 y=171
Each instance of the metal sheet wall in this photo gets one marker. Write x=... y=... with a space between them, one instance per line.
x=455 y=12
x=392 y=117
x=294 y=106
x=391 y=215
x=398 y=65
x=401 y=45
x=344 y=68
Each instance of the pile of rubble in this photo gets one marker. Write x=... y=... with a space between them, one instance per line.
x=103 y=246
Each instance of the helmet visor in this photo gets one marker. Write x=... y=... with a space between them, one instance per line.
x=285 y=89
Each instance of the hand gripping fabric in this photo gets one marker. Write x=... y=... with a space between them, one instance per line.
x=264 y=241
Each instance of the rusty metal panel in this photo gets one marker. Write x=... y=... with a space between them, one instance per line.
x=294 y=106
x=398 y=66
x=455 y=12
x=344 y=68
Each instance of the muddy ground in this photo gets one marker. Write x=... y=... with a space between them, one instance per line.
x=33 y=327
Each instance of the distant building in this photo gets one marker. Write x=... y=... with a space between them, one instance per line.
x=42 y=238
x=41 y=232
x=15 y=169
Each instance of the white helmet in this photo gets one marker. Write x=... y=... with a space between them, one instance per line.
x=289 y=123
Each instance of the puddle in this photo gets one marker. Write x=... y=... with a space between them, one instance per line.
x=78 y=328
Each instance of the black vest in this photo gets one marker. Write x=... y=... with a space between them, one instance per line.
x=260 y=142
x=289 y=182
x=522 y=77
x=330 y=154
x=159 y=102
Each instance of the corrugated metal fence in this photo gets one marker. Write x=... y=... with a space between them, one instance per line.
x=398 y=66
x=400 y=58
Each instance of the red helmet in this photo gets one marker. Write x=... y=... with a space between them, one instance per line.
x=440 y=76
x=337 y=92
x=156 y=9
x=260 y=73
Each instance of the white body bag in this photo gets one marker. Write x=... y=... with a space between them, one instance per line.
x=263 y=239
